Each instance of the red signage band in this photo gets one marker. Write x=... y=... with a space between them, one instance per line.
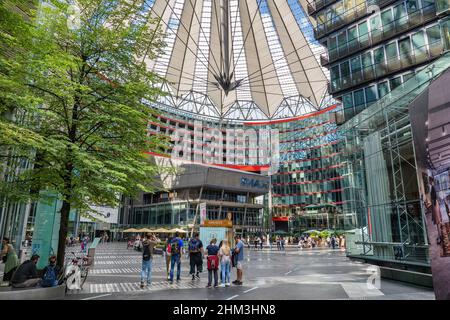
x=280 y=219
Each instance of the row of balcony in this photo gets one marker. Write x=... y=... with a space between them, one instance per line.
x=377 y=36
x=384 y=69
x=316 y=5
x=348 y=17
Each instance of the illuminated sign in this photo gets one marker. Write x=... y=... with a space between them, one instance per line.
x=254 y=183
x=218 y=223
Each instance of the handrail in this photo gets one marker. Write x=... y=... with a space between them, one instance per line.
x=390 y=30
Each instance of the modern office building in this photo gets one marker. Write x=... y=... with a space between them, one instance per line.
x=226 y=193
x=374 y=46
x=307 y=188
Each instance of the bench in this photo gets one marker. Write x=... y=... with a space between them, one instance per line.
x=37 y=293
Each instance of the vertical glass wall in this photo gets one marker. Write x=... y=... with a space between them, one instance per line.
x=382 y=188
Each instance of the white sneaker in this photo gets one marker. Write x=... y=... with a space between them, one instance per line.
x=228 y=284
x=222 y=285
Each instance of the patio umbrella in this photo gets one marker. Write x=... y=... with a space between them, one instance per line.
x=161 y=230
x=131 y=230
x=177 y=230
x=280 y=232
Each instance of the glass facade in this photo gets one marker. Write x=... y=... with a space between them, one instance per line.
x=307 y=189
x=371 y=51
x=382 y=185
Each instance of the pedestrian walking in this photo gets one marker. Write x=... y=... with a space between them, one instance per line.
x=176 y=247
x=147 y=258
x=238 y=259
x=260 y=242
x=168 y=257
x=195 y=256
x=333 y=242
x=225 y=263
x=282 y=243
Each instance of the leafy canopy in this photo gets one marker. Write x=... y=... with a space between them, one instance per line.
x=72 y=95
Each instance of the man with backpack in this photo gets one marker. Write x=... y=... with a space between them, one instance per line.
x=147 y=257
x=195 y=256
x=176 y=246
x=50 y=273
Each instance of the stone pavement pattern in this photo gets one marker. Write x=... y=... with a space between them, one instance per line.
x=272 y=275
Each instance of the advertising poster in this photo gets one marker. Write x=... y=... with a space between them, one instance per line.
x=46 y=229
x=209 y=233
x=202 y=213
x=430 y=123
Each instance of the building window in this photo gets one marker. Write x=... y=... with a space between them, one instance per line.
x=363 y=33
x=391 y=52
x=342 y=43
x=383 y=89
x=446 y=31
x=395 y=82
x=405 y=48
x=359 y=100
x=371 y=94
x=352 y=37
x=345 y=73
x=347 y=101
x=418 y=43
x=387 y=20
x=401 y=19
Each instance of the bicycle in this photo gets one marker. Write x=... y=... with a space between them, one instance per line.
x=75 y=273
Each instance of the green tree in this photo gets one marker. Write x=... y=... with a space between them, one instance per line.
x=74 y=99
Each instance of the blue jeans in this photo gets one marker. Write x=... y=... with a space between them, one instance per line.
x=175 y=258
x=146 y=270
x=225 y=269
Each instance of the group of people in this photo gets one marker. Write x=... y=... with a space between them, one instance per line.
x=26 y=275
x=330 y=242
x=221 y=255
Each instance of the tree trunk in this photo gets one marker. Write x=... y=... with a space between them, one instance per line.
x=65 y=210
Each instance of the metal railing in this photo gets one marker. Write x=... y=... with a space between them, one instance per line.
x=395 y=27
x=387 y=67
x=339 y=20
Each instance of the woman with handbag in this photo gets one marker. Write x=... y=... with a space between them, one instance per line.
x=213 y=262
x=10 y=259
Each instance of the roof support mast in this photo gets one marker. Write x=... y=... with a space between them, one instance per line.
x=224 y=10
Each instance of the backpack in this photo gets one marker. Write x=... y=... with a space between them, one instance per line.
x=194 y=245
x=147 y=254
x=49 y=277
x=175 y=246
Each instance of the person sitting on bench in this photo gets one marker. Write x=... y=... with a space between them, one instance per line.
x=26 y=275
